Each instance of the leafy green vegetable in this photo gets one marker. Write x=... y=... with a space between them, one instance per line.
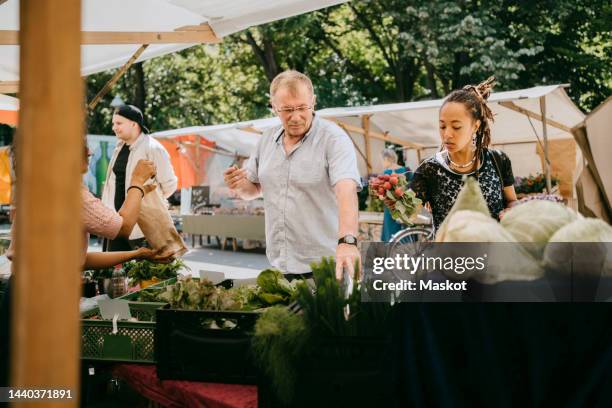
x=278 y=344
x=325 y=307
x=139 y=271
x=283 y=339
x=192 y=294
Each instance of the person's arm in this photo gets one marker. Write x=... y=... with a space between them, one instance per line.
x=348 y=224
x=101 y=260
x=344 y=176
x=130 y=210
x=508 y=182
x=510 y=196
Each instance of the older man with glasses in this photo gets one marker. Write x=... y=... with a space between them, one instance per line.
x=306 y=171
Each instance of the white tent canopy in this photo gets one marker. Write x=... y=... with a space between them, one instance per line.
x=240 y=137
x=149 y=16
x=417 y=123
x=8 y=103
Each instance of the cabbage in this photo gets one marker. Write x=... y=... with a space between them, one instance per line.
x=535 y=222
x=469 y=198
x=473 y=226
x=584 y=230
x=595 y=258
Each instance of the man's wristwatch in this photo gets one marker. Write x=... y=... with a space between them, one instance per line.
x=348 y=239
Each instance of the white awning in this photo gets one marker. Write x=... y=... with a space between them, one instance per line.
x=153 y=16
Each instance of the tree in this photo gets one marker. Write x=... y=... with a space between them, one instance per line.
x=576 y=43
x=375 y=51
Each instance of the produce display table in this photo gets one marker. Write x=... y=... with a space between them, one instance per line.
x=370 y=225
x=230 y=226
x=169 y=393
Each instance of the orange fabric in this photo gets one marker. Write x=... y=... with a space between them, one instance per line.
x=189 y=165
x=9 y=117
x=5 y=176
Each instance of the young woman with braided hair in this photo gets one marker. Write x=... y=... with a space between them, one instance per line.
x=465 y=132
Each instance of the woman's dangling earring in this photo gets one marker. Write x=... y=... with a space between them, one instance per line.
x=474 y=140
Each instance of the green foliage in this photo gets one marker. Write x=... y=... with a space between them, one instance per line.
x=274 y=288
x=194 y=294
x=375 y=51
x=139 y=271
x=533 y=184
x=280 y=339
x=283 y=339
x=326 y=311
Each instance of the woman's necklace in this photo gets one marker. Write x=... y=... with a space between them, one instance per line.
x=460 y=166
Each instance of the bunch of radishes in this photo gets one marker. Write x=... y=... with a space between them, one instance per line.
x=381 y=184
x=393 y=190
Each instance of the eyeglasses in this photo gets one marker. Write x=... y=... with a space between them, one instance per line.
x=290 y=109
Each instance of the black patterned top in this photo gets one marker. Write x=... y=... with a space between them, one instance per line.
x=436 y=183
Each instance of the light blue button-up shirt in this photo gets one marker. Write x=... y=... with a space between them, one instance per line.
x=298 y=190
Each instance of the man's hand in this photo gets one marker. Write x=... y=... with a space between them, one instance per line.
x=234 y=176
x=144 y=170
x=346 y=255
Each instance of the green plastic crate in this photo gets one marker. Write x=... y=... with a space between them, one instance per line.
x=133 y=342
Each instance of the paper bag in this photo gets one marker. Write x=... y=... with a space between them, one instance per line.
x=157 y=226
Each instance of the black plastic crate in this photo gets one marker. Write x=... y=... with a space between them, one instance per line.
x=186 y=348
x=340 y=371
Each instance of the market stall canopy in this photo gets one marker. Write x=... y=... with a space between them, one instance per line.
x=517 y=127
x=113 y=30
x=235 y=138
x=595 y=182
x=9 y=108
x=417 y=122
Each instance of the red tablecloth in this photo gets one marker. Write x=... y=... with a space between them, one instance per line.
x=171 y=393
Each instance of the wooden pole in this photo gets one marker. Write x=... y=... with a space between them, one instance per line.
x=92 y=105
x=545 y=137
x=365 y=124
x=375 y=135
x=516 y=108
x=363 y=156
x=45 y=329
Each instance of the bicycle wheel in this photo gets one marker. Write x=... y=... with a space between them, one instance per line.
x=411 y=241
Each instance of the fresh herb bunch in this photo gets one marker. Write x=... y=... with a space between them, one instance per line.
x=325 y=307
x=278 y=345
x=139 y=271
x=283 y=339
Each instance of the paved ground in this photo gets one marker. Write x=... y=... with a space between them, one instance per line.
x=242 y=264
